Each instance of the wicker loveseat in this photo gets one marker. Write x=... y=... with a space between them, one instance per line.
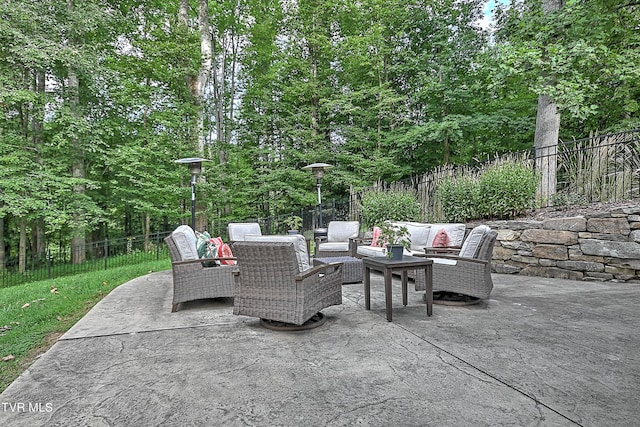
x=421 y=235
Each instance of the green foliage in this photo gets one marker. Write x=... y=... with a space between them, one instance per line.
x=503 y=191
x=506 y=190
x=394 y=235
x=379 y=206
x=294 y=222
x=459 y=199
x=381 y=90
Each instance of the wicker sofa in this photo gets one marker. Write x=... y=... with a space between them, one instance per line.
x=422 y=235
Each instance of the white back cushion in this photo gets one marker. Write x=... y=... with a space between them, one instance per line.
x=185 y=240
x=473 y=241
x=342 y=231
x=419 y=234
x=455 y=232
x=238 y=230
x=299 y=244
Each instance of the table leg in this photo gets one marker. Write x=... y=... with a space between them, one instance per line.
x=367 y=288
x=405 y=280
x=428 y=278
x=387 y=292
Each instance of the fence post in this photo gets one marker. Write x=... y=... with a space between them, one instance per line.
x=106 y=253
x=49 y=262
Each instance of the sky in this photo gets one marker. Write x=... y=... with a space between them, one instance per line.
x=488 y=9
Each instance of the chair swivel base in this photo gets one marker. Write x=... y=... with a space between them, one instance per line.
x=316 y=320
x=452 y=299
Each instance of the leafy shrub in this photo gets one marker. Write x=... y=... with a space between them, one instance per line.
x=506 y=191
x=378 y=206
x=503 y=191
x=458 y=198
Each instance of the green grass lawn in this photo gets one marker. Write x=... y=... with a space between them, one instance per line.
x=34 y=315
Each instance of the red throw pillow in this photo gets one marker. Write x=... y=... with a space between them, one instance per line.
x=441 y=239
x=376 y=235
x=224 y=251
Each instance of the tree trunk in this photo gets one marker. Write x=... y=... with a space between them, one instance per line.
x=547 y=130
x=197 y=84
x=78 y=239
x=546 y=147
x=78 y=242
x=22 y=250
x=38 y=129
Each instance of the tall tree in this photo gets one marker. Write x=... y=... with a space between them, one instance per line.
x=547 y=128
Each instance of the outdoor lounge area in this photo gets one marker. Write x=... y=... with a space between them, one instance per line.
x=538 y=352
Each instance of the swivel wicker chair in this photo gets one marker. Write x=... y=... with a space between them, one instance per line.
x=271 y=284
x=463 y=278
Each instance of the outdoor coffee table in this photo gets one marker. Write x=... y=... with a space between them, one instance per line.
x=387 y=267
x=351 y=267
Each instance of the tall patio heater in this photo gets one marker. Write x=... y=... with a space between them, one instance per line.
x=318 y=170
x=195 y=168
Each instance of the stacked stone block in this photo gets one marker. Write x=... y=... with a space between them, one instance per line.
x=602 y=246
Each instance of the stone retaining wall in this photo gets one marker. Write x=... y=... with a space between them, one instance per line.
x=602 y=246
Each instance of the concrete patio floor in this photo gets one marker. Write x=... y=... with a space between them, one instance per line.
x=540 y=352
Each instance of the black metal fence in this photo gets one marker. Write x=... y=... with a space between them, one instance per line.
x=310 y=220
x=604 y=168
x=98 y=256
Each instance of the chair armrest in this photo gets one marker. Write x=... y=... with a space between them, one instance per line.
x=201 y=260
x=316 y=270
x=443 y=250
x=361 y=240
x=458 y=258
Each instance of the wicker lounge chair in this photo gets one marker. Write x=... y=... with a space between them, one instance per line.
x=191 y=279
x=271 y=286
x=339 y=240
x=466 y=274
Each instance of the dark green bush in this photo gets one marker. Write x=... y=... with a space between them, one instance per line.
x=378 y=206
x=458 y=199
x=504 y=191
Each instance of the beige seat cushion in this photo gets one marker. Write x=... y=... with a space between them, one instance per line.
x=371 y=251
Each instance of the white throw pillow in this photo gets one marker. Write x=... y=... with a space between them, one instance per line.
x=238 y=230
